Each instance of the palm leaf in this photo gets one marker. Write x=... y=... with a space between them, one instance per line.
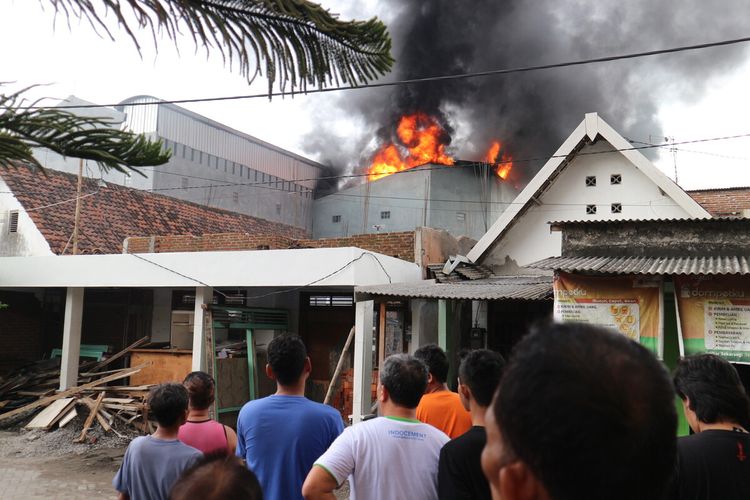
x=23 y=128
x=295 y=42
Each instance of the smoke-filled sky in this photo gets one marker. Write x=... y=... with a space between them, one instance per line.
x=692 y=95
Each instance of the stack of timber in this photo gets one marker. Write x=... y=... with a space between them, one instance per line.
x=32 y=391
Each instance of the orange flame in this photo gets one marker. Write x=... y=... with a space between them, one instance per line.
x=420 y=135
x=501 y=159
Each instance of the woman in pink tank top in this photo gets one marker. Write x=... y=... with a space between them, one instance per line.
x=200 y=432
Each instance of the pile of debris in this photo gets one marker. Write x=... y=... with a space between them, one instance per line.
x=34 y=387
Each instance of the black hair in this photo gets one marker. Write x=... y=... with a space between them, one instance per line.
x=714 y=389
x=405 y=377
x=200 y=387
x=481 y=370
x=590 y=412
x=215 y=477
x=286 y=355
x=168 y=403
x=435 y=359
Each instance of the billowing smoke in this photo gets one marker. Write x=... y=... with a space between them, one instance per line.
x=530 y=112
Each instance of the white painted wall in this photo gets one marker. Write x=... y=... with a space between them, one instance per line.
x=530 y=239
x=252 y=268
x=27 y=240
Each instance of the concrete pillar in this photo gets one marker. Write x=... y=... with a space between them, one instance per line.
x=443 y=324
x=71 y=348
x=362 y=398
x=203 y=297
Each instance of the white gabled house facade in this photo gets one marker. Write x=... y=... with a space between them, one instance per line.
x=19 y=236
x=595 y=175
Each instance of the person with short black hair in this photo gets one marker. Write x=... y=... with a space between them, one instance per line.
x=152 y=464
x=440 y=407
x=200 y=431
x=217 y=476
x=391 y=456
x=581 y=413
x=460 y=471
x=715 y=461
x=281 y=435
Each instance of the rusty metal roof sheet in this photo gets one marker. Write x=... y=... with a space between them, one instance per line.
x=495 y=288
x=711 y=264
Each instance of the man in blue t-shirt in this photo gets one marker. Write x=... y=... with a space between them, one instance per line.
x=281 y=435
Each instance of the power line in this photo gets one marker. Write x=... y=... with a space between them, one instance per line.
x=468 y=164
x=411 y=170
x=412 y=81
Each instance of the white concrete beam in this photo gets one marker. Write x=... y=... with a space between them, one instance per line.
x=71 y=348
x=362 y=398
x=203 y=296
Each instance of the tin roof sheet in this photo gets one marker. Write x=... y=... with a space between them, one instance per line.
x=708 y=265
x=495 y=288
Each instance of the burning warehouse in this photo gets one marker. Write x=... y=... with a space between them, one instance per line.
x=413 y=180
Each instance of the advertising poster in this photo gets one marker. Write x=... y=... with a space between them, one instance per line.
x=714 y=316
x=631 y=305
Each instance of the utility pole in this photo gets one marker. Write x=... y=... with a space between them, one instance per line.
x=78 y=207
x=673 y=150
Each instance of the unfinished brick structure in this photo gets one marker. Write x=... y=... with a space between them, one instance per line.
x=400 y=245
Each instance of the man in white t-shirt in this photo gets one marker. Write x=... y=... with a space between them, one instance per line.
x=392 y=456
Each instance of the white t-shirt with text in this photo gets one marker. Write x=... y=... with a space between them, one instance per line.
x=386 y=458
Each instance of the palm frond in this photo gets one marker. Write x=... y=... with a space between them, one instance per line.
x=295 y=42
x=23 y=128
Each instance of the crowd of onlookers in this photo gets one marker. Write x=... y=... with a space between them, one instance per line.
x=577 y=412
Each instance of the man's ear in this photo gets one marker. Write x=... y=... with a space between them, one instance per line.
x=383 y=395
x=308 y=365
x=517 y=482
x=269 y=372
x=465 y=391
x=430 y=378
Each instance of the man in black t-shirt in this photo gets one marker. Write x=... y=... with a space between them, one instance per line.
x=460 y=471
x=715 y=461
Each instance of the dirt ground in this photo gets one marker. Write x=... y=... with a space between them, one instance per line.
x=41 y=465
x=45 y=465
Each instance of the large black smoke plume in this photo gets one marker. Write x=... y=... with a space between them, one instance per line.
x=531 y=112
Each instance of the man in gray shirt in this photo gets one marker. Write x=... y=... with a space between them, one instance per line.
x=152 y=464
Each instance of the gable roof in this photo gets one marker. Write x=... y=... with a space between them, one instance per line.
x=111 y=213
x=587 y=131
x=723 y=202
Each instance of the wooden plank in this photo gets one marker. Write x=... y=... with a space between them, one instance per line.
x=120 y=354
x=90 y=419
x=124 y=388
x=70 y=392
x=381 y=334
x=339 y=366
x=112 y=406
x=122 y=401
x=73 y=413
x=165 y=367
x=105 y=418
x=47 y=417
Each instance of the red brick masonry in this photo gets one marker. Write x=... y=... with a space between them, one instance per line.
x=399 y=245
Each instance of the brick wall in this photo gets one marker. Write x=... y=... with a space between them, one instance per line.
x=723 y=202
x=400 y=244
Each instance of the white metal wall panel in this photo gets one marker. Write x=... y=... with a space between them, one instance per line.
x=141 y=119
x=175 y=126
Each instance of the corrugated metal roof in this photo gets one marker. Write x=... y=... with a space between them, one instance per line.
x=650 y=265
x=501 y=287
x=604 y=222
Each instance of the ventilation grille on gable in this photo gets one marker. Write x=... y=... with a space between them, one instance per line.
x=13 y=221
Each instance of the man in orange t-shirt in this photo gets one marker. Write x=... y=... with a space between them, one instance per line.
x=439 y=406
